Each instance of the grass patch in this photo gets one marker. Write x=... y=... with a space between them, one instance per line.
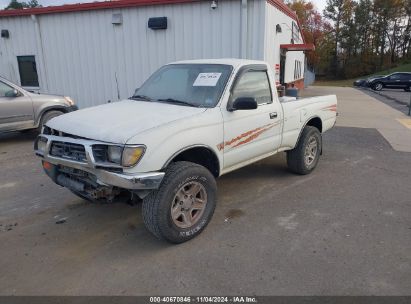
x=349 y=82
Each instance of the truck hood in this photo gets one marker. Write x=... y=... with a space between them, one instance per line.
x=119 y=121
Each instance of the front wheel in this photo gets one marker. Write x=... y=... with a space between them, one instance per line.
x=46 y=117
x=378 y=86
x=305 y=156
x=183 y=205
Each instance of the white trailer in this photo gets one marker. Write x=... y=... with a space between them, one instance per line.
x=102 y=51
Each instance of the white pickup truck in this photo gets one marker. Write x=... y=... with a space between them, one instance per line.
x=188 y=124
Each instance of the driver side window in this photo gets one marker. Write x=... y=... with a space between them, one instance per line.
x=5 y=89
x=254 y=84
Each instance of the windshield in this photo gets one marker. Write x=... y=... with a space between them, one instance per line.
x=197 y=85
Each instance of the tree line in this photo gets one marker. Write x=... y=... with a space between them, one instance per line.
x=356 y=37
x=14 y=4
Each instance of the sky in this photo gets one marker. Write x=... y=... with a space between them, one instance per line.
x=3 y=3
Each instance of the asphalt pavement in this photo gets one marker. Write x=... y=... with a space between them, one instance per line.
x=343 y=230
x=397 y=99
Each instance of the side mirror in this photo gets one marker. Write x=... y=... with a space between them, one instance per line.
x=244 y=103
x=12 y=93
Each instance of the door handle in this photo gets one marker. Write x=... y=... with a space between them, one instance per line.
x=273 y=115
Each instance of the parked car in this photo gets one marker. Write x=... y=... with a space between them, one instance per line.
x=359 y=82
x=23 y=110
x=394 y=81
x=188 y=124
x=363 y=82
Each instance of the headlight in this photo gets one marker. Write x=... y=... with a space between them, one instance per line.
x=69 y=101
x=132 y=155
x=41 y=145
x=114 y=154
x=125 y=156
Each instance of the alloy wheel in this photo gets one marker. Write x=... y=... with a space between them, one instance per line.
x=188 y=205
x=311 y=151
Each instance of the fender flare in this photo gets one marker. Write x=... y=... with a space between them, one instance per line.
x=305 y=124
x=174 y=155
x=60 y=108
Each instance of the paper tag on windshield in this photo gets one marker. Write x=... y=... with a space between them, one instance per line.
x=207 y=80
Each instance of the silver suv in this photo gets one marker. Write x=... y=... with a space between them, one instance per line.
x=22 y=110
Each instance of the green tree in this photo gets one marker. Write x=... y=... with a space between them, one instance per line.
x=313 y=27
x=33 y=3
x=15 y=4
x=339 y=12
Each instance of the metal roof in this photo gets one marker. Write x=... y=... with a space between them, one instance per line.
x=116 y=4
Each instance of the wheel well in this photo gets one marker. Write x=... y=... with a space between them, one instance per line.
x=202 y=156
x=45 y=111
x=316 y=122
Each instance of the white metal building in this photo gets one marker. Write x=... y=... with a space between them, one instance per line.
x=101 y=51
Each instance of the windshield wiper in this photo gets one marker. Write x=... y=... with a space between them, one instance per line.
x=180 y=102
x=141 y=97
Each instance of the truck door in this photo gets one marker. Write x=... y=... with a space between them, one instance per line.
x=16 y=110
x=249 y=134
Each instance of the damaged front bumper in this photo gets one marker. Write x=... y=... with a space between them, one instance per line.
x=103 y=175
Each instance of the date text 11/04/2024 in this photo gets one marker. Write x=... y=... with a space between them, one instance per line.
x=239 y=299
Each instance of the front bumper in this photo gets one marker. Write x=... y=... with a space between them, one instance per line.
x=103 y=173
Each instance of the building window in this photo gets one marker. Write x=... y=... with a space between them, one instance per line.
x=295 y=33
x=28 y=71
x=295 y=70
x=298 y=70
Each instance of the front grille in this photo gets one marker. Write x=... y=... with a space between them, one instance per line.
x=68 y=151
x=50 y=131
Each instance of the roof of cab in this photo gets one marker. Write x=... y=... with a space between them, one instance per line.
x=235 y=62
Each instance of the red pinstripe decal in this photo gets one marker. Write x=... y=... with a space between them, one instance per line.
x=246 y=137
x=332 y=108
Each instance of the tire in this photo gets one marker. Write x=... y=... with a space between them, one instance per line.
x=46 y=117
x=408 y=89
x=166 y=215
x=377 y=86
x=299 y=160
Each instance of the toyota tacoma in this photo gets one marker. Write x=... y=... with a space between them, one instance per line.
x=188 y=124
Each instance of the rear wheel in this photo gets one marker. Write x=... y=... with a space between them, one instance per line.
x=378 y=86
x=305 y=156
x=183 y=205
x=46 y=117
